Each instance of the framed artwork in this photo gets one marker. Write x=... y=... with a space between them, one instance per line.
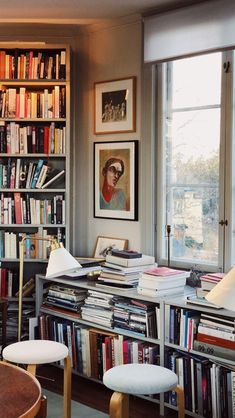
x=115 y=106
x=116 y=180
x=105 y=244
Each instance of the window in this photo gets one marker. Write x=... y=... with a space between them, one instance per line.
x=194 y=139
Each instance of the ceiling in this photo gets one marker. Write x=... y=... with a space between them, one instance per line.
x=80 y=12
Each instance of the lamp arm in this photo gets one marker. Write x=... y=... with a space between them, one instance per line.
x=54 y=244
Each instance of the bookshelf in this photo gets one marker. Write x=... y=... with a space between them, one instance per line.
x=34 y=156
x=169 y=346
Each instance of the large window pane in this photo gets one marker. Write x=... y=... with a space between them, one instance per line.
x=192 y=159
x=196 y=81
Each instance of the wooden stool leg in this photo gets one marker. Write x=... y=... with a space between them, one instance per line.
x=67 y=387
x=119 y=405
x=43 y=408
x=180 y=400
x=31 y=368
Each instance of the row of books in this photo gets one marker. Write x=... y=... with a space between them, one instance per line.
x=34 y=248
x=94 y=351
x=69 y=299
x=200 y=331
x=209 y=388
x=31 y=65
x=181 y=326
x=18 y=139
x=9 y=284
x=24 y=174
x=23 y=209
x=122 y=314
x=22 y=103
x=28 y=313
x=8 y=280
x=136 y=317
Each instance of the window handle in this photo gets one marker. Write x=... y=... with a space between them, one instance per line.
x=222 y=222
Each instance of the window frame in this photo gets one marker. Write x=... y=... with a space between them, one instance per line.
x=226 y=175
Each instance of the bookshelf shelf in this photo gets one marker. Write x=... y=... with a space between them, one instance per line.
x=35 y=155
x=33 y=83
x=34 y=136
x=200 y=362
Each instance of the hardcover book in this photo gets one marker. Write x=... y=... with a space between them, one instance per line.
x=126 y=253
x=145 y=260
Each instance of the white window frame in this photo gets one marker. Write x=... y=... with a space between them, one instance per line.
x=227 y=171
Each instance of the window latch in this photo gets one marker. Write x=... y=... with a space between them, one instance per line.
x=226 y=66
x=222 y=222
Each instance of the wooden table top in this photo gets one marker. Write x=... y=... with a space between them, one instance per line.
x=20 y=394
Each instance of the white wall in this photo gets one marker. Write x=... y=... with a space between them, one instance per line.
x=104 y=54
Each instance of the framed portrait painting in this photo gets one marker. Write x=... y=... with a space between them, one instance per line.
x=116 y=180
x=115 y=106
x=105 y=244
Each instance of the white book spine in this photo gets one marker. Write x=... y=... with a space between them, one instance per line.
x=226 y=335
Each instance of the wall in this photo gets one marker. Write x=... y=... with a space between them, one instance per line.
x=103 y=54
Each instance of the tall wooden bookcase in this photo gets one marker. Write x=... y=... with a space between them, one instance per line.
x=34 y=132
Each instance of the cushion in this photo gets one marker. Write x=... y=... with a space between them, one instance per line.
x=35 y=352
x=141 y=379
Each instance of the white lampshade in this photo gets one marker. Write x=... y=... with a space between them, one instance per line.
x=60 y=263
x=223 y=294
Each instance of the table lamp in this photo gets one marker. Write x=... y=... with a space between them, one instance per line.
x=223 y=294
x=60 y=262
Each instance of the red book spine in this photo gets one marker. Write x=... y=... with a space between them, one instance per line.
x=125 y=352
x=46 y=139
x=18 y=209
x=221 y=342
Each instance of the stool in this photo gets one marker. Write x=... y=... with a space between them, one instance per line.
x=33 y=352
x=139 y=379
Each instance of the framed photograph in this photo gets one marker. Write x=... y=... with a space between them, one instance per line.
x=105 y=244
x=116 y=180
x=115 y=106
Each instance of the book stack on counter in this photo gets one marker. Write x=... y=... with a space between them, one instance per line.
x=60 y=297
x=216 y=336
x=98 y=308
x=162 y=281
x=208 y=282
x=137 y=317
x=122 y=269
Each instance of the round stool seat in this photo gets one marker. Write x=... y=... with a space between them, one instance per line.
x=140 y=379
x=35 y=352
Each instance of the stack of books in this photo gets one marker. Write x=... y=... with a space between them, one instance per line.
x=216 y=336
x=98 y=308
x=162 y=281
x=66 y=298
x=137 y=317
x=208 y=282
x=122 y=269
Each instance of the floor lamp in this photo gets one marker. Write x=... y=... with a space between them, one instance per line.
x=223 y=294
x=60 y=262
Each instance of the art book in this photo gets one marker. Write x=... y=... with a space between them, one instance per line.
x=145 y=260
x=165 y=272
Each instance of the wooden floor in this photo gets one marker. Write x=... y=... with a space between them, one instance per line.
x=95 y=395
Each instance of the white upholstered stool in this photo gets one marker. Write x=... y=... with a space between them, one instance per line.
x=34 y=352
x=139 y=379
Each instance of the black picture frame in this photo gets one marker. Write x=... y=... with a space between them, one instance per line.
x=116 y=180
